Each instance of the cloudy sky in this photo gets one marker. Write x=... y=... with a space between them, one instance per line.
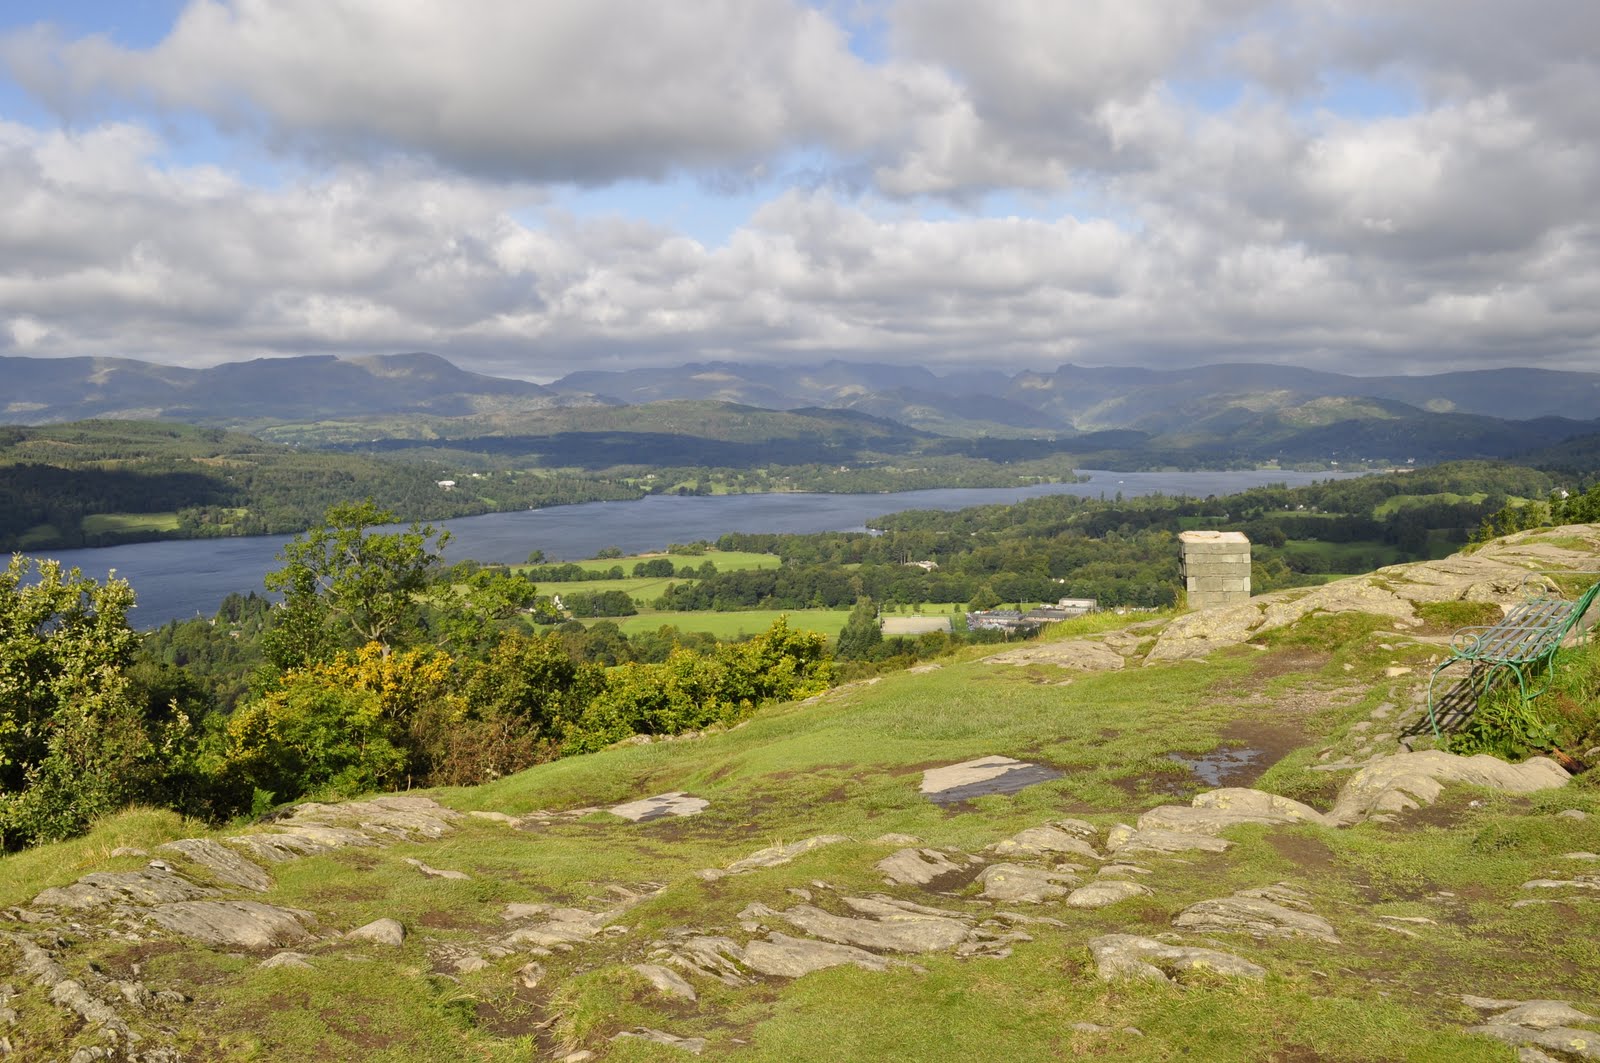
x=535 y=186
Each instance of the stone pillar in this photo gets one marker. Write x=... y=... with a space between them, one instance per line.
x=1215 y=566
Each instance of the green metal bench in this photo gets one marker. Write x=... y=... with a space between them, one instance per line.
x=1526 y=639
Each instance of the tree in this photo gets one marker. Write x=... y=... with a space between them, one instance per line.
x=471 y=611
x=985 y=598
x=345 y=584
x=862 y=634
x=73 y=742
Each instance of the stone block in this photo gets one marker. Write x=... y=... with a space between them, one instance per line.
x=1215 y=567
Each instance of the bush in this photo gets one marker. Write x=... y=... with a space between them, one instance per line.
x=349 y=725
x=691 y=691
x=74 y=743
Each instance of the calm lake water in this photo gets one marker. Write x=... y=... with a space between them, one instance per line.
x=191 y=577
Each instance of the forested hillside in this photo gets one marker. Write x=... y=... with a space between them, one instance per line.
x=96 y=483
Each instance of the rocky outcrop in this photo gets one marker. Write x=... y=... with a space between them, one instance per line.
x=1497 y=573
x=1027 y=883
x=782 y=956
x=1121 y=957
x=1272 y=911
x=1105 y=892
x=380 y=932
x=156 y=884
x=1063 y=836
x=1542 y=1025
x=666 y=981
x=772 y=856
x=917 y=867
x=1084 y=655
x=1402 y=781
x=1217 y=810
x=222 y=863
x=234 y=924
x=1123 y=841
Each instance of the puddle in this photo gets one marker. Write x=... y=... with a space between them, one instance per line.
x=1224 y=767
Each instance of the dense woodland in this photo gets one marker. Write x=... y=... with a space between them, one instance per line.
x=217 y=483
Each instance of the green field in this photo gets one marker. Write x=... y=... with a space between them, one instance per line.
x=119 y=523
x=37 y=536
x=646 y=589
x=725 y=560
x=1393 y=505
x=1362 y=556
x=736 y=624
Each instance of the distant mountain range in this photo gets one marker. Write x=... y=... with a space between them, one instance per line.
x=1087 y=399
x=316 y=387
x=1212 y=414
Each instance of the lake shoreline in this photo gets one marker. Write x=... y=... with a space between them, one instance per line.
x=184 y=578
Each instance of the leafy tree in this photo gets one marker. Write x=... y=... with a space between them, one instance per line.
x=73 y=742
x=862 y=634
x=691 y=690
x=986 y=598
x=471 y=611
x=519 y=702
x=344 y=583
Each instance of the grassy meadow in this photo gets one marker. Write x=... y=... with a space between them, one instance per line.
x=849 y=762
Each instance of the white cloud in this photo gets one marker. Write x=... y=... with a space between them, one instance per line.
x=580 y=90
x=1377 y=188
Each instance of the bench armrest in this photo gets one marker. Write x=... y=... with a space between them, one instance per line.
x=1465 y=642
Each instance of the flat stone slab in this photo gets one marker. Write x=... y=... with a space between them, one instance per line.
x=917 y=867
x=245 y=924
x=437 y=872
x=223 y=863
x=660 y=806
x=1123 y=841
x=1106 y=892
x=152 y=885
x=1037 y=841
x=692 y=1045
x=775 y=855
x=897 y=931
x=1120 y=957
x=1025 y=883
x=1259 y=913
x=782 y=956
x=1087 y=655
x=981 y=778
x=666 y=981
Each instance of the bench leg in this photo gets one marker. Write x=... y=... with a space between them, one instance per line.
x=1433 y=718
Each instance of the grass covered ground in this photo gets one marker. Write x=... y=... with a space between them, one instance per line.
x=97 y=523
x=849 y=762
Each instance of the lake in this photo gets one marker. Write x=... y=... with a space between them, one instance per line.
x=185 y=578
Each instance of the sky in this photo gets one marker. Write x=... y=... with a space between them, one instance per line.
x=533 y=188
